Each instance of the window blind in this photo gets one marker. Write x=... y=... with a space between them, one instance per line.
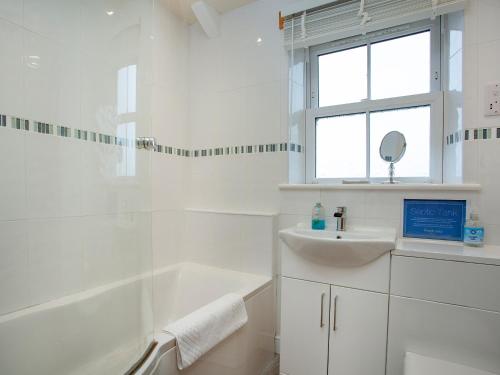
x=346 y=18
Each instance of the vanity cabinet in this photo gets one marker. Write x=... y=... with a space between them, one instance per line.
x=444 y=309
x=329 y=329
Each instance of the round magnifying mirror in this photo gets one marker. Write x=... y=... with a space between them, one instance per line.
x=392 y=149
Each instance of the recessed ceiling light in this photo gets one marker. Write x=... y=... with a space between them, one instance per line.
x=110 y=12
x=259 y=40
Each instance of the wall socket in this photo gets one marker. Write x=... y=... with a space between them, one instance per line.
x=492 y=99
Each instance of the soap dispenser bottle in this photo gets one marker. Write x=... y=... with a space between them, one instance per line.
x=318 y=217
x=473 y=231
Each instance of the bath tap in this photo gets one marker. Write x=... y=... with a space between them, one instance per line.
x=341 y=219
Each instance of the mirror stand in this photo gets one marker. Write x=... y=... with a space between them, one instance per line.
x=391 y=174
x=392 y=148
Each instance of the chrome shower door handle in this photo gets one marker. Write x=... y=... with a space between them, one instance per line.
x=321 y=320
x=334 y=323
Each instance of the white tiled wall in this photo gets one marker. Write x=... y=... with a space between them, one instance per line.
x=239 y=241
x=11 y=71
x=169 y=87
x=238 y=96
x=481 y=54
x=237 y=183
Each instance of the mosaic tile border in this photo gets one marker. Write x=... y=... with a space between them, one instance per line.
x=473 y=134
x=231 y=150
x=19 y=123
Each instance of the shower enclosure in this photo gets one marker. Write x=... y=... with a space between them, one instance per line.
x=75 y=188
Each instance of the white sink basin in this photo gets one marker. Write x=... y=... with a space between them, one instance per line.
x=339 y=249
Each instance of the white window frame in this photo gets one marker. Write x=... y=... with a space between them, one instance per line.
x=434 y=99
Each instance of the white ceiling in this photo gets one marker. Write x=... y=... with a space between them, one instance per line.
x=182 y=8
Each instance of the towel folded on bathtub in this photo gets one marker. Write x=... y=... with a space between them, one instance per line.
x=204 y=328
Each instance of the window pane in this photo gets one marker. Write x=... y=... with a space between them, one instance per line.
x=414 y=123
x=401 y=66
x=341 y=146
x=343 y=77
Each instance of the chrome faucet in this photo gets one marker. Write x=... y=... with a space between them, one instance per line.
x=341 y=219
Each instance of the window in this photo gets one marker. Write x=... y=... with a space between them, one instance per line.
x=126 y=106
x=364 y=87
x=127 y=90
x=336 y=158
x=126 y=165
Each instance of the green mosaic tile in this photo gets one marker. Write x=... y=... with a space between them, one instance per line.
x=43 y=128
x=63 y=131
x=20 y=124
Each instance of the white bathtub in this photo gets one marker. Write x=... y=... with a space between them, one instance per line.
x=104 y=330
x=185 y=287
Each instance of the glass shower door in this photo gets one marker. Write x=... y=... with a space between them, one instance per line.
x=75 y=209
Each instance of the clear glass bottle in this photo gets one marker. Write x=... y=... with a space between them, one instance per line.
x=473 y=231
x=318 y=217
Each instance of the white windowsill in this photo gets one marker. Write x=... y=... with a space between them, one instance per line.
x=231 y=212
x=400 y=187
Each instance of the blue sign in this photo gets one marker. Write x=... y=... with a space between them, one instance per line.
x=434 y=219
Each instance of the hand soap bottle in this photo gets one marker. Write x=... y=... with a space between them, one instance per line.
x=473 y=231
x=318 y=217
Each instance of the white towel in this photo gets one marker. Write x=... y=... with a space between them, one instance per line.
x=420 y=365
x=204 y=328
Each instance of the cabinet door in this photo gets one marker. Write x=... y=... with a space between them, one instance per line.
x=304 y=327
x=358 y=333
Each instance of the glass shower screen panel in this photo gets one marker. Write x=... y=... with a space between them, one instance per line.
x=76 y=249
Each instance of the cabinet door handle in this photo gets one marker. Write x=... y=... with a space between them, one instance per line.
x=334 y=313
x=321 y=322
